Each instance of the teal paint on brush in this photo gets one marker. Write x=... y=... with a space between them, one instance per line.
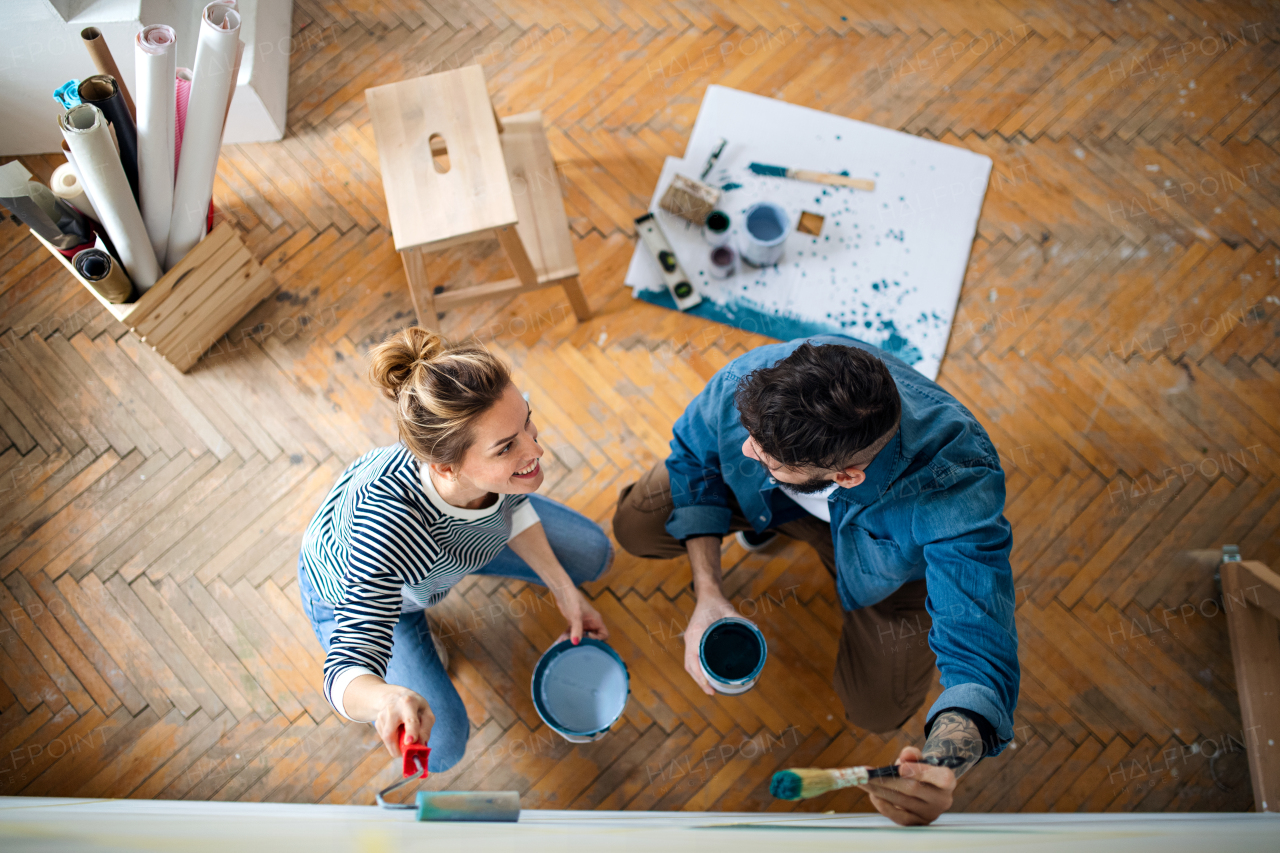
x=771 y=171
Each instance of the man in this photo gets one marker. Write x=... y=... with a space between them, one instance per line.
x=900 y=491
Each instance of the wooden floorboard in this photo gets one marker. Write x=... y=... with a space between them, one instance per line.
x=1117 y=333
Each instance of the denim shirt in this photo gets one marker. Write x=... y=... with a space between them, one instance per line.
x=930 y=508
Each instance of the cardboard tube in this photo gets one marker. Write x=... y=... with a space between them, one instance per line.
x=104 y=275
x=99 y=166
x=105 y=63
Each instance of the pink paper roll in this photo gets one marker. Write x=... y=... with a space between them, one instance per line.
x=182 y=94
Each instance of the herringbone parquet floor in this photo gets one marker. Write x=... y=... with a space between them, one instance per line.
x=1117 y=335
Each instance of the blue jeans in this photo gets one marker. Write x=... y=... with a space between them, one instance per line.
x=580 y=546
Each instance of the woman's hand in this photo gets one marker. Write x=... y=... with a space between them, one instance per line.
x=402 y=707
x=581 y=616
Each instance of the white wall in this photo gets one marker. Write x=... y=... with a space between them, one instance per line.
x=40 y=49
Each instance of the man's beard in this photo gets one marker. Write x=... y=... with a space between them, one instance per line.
x=809 y=487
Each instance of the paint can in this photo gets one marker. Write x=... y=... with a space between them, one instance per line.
x=762 y=239
x=723 y=262
x=580 y=691
x=716 y=229
x=732 y=653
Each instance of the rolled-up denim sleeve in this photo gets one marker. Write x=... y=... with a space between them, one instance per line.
x=698 y=492
x=971 y=596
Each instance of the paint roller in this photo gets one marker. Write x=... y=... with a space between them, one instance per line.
x=470 y=806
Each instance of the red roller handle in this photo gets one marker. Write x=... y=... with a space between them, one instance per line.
x=411 y=751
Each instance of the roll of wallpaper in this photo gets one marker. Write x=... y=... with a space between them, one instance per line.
x=68 y=94
x=202 y=136
x=156 y=66
x=100 y=270
x=103 y=91
x=40 y=210
x=106 y=63
x=66 y=185
x=85 y=129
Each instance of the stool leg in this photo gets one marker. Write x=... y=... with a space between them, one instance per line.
x=578 y=299
x=424 y=303
x=514 y=247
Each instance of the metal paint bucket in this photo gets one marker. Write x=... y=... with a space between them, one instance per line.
x=764 y=233
x=732 y=653
x=580 y=691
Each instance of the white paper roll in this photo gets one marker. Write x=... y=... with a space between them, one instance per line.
x=202 y=137
x=156 y=63
x=98 y=163
x=66 y=184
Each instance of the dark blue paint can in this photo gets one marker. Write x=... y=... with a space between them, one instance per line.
x=732 y=653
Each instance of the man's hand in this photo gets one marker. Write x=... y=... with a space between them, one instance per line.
x=710 y=607
x=924 y=790
x=919 y=796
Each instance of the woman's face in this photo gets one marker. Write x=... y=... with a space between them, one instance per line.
x=504 y=456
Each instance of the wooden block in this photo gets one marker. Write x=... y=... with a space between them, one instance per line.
x=810 y=223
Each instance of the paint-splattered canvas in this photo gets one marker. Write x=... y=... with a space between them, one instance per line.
x=888 y=264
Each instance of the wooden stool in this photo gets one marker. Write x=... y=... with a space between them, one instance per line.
x=453 y=172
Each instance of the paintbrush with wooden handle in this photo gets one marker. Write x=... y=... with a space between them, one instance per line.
x=813 y=177
x=801 y=783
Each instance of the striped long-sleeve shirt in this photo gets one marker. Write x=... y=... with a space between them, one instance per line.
x=384 y=542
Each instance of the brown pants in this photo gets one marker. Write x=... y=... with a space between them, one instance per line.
x=884 y=665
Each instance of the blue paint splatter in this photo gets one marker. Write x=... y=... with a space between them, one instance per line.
x=731 y=186
x=898 y=345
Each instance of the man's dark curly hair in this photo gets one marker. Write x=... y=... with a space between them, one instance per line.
x=819 y=406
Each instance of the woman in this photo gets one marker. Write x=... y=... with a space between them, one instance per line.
x=405 y=523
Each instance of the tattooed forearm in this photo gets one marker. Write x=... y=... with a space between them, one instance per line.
x=954 y=742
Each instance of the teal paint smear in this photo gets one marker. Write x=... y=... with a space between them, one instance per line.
x=898 y=345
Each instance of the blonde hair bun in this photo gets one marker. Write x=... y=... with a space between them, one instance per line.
x=439 y=387
x=392 y=362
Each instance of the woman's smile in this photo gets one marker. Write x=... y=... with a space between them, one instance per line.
x=531 y=471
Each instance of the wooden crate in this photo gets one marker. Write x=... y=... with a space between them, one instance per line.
x=196 y=302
